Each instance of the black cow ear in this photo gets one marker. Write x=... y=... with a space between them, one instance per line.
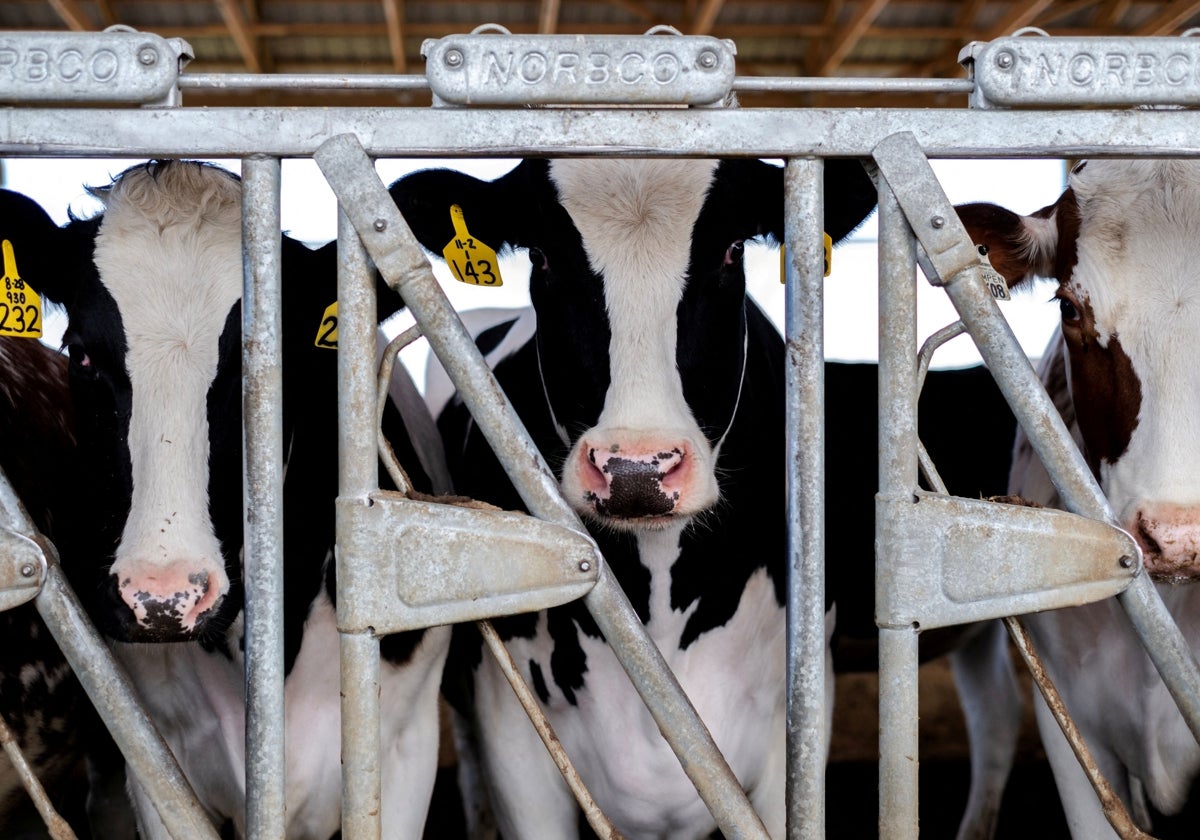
x=849 y=196
x=36 y=250
x=493 y=212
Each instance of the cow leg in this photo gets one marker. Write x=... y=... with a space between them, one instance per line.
x=1080 y=804
x=530 y=798
x=991 y=702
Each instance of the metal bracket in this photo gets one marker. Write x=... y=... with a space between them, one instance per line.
x=22 y=568
x=961 y=560
x=491 y=66
x=117 y=66
x=419 y=564
x=1046 y=72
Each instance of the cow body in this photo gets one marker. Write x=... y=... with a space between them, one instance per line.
x=654 y=388
x=153 y=289
x=1122 y=244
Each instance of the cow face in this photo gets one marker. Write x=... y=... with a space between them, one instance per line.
x=638 y=283
x=1123 y=242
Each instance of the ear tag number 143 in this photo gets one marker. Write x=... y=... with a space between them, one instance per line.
x=20 y=306
x=469 y=259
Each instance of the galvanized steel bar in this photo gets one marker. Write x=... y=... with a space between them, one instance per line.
x=804 y=322
x=590 y=132
x=114 y=697
x=301 y=81
x=357 y=478
x=262 y=386
x=402 y=263
x=56 y=826
x=898 y=761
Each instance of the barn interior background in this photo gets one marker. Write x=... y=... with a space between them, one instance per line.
x=833 y=38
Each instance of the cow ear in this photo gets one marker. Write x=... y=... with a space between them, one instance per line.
x=1019 y=247
x=492 y=211
x=849 y=196
x=36 y=250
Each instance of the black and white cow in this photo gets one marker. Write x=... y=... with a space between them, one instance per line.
x=153 y=289
x=1123 y=243
x=654 y=387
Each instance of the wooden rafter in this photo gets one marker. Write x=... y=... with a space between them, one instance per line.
x=548 y=17
x=1019 y=15
x=849 y=35
x=247 y=44
x=393 y=14
x=817 y=46
x=705 y=17
x=1170 y=19
x=107 y=18
x=72 y=15
x=1111 y=11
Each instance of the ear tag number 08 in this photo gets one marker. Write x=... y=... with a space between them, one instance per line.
x=20 y=306
x=327 y=330
x=993 y=279
x=826 y=241
x=469 y=259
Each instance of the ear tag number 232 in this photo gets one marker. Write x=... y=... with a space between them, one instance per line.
x=20 y=306
x=469 y=259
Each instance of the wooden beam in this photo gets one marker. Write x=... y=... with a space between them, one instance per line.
x=72 y=15
x=1020 y=14
x=1170 y=19
x=393 y=14
x=107 y=18
x=235 y=20
x=850 y=35
x=817 y=46
x=548 y=17
x=705 y=17
x=1111 y=12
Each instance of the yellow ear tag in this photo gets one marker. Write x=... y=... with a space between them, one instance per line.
x=470 y=260
x=828 y=258
x=327 y=331
x=21 y=307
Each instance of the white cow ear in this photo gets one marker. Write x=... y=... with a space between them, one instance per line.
x=1039 y=243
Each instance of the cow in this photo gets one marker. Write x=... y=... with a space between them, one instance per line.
x=152 y=286
x=1122 y=244
x=654 y=387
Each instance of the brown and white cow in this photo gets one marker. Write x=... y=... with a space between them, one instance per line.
x=1123 y=242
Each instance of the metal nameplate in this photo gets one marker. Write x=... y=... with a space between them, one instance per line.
x=116 y=66
x=1063 y=72
x=498 y=69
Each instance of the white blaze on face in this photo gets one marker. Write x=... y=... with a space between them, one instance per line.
x=636 y=219
x=169 y=253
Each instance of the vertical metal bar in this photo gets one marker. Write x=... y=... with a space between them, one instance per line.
x=804 y=208
x=262 y=386
x=897 y=479
x=357 y=477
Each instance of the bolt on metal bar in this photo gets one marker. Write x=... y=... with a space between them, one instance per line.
x=357 y=478
x=807 y=710
x=898 y=726
x=403 y=264
x=262 y=386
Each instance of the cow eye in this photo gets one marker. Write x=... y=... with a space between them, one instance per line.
x=1067 y=309
x=537 y=258
x=735 y=252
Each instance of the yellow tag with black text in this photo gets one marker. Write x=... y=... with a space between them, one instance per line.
x=21 y=306
x=327 y=331
x=469 y=259
x=828 y=243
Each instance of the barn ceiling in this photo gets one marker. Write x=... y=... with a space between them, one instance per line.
x=872 y=38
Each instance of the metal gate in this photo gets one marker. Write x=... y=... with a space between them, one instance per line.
x=1019 y=109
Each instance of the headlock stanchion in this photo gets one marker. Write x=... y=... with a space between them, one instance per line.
x=935 y=552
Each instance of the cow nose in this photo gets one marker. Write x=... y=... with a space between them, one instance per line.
x=632 y=483
x=1169 y=536
x=171 y=602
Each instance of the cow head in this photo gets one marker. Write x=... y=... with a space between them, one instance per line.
x=638 y=283
x=153 y=290
x=1123 y=242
